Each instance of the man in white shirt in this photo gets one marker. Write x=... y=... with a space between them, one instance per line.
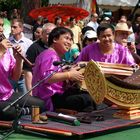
x=17 y=38
x=93 y=22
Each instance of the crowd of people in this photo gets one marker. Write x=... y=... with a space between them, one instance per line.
x=56 y=41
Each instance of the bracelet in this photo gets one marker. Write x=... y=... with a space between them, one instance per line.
x=68 y=74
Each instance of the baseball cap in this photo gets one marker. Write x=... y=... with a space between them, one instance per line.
x=90 y=34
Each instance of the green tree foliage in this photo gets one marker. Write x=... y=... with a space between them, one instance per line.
x=8 y=5
x=45 y=2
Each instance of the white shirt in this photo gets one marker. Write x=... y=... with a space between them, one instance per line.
x=24 y=42
x=94 y=25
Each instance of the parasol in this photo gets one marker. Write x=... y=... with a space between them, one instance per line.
x=65 y=12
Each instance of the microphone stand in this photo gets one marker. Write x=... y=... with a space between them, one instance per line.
x=16 y=124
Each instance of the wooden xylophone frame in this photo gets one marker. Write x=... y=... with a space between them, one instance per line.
x=101 y=89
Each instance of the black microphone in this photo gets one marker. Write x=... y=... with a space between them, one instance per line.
x=57 y=63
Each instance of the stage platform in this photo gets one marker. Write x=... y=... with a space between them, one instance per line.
x=96 y=128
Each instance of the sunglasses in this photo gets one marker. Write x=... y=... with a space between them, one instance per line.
x=92 y=39
x=14 y=27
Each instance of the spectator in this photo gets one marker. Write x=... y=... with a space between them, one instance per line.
x=15 y=14
x=89 y=38
x=34 y=50
x=58 y=21
x=93 y=22
x=17 y=38
x=38 y=33
x=122 y=33
x=38 y=22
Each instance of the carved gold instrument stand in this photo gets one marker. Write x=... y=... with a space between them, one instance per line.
x=100 y=87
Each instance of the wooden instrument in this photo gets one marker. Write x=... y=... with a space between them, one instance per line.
x=24 y=58
x=82 y=84
x=107 y=69
x=101 y=86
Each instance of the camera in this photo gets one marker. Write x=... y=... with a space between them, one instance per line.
x=128 y=43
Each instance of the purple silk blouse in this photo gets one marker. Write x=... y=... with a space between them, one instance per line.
x=43 y=67
x=7 y=63
x=120 y=55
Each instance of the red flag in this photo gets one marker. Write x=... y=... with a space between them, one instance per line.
x=93 y=6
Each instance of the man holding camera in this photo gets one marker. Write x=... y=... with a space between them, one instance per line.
x=122 y=33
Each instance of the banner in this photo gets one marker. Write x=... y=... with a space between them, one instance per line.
x=85 y=4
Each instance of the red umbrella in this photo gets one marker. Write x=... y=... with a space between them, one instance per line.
x=65 y=12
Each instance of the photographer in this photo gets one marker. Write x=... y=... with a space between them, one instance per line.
x=122 y=33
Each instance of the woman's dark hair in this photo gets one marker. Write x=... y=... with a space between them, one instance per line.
x=102 y=27
x=45 y=20
x=56 y=32
x=56 y=19
x=87 y=28
x=71 y=19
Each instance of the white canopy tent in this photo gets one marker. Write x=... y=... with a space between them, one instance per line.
x=126 y=3
x=62 y=1
x=112 y=5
